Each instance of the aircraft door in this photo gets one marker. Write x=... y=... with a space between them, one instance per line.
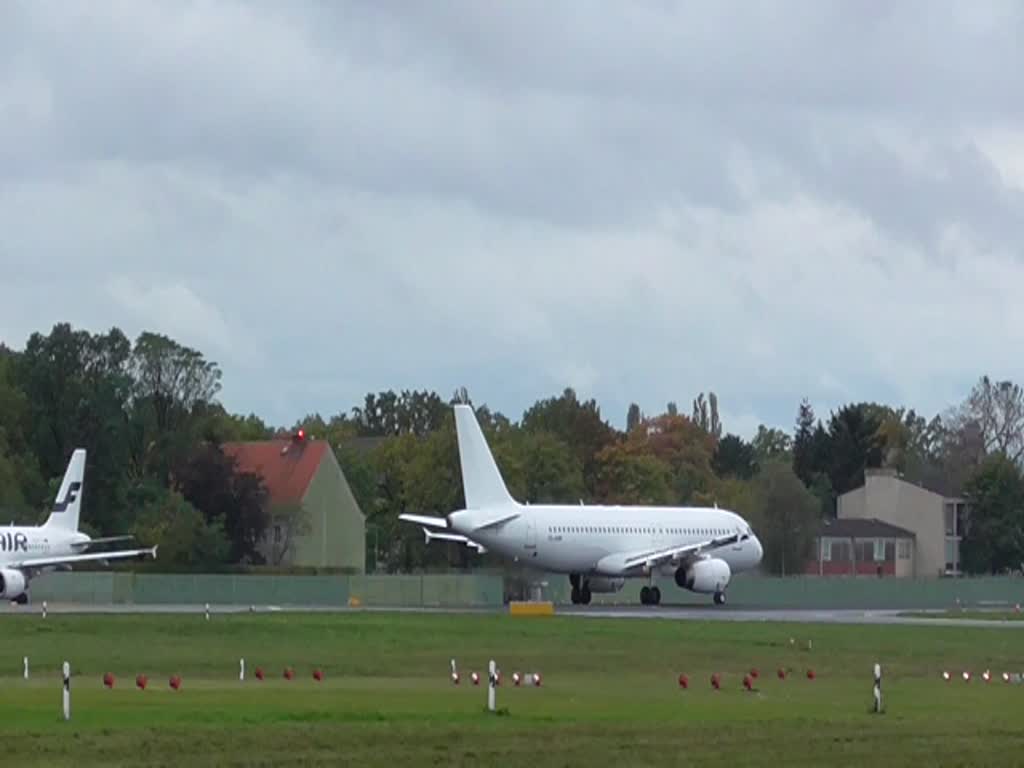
x=531 y=533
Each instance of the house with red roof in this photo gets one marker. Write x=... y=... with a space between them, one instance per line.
x=315 y=519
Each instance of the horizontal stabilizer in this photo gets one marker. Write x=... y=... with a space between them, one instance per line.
x=453 y=537
x=433 y=522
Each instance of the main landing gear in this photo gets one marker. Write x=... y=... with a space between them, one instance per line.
x=650 y=596
x=719 y=598
x=580 y=590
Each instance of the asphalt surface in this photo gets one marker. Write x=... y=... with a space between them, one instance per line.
x=670 y=613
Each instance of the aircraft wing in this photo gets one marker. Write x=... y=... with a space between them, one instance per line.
x=646 y=560
x=47 y=562
x=106 y=540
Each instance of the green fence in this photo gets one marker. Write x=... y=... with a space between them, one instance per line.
x=432 y=590
x=489 y=590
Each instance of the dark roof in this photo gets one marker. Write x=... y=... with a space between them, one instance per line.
x=863 y=528
x=286 y=473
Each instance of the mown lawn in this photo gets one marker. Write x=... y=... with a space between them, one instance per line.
x=609 y=695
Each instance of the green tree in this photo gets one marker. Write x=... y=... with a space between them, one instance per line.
x=804 y=458
x=995 y=532
x=633 y=417
x=187 y=539
x=539 y=468
x=770 y=443
x=218 y=426
x=786 y=518
x=408 y=412
x=734 y=457
x=684 y=447
x=855 y=444
x=578 y=424
x=705 y=414
x=21 y=486
x=626 y=476
x=174 y=390
x=211 y=482
x=77 y=388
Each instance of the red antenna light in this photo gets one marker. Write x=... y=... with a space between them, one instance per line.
x=302 y=434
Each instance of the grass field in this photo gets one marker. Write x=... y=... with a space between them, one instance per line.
x=609 y=696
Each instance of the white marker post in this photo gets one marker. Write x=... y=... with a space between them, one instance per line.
x=207 y=611
x=492 y=683
x=67 y=691
x=44 y=609
x=26 y=667
x=878 y=688
x=241 y=670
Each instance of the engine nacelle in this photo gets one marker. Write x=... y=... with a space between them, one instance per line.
x=705 y=576
x=12 y=583
x=605 y=584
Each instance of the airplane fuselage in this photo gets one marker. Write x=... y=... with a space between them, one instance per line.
x=19 y=543
x=578 y=539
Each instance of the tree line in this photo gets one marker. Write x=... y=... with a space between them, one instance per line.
x=148 y=412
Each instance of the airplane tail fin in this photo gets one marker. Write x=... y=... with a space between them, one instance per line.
x=66 y=508
x=481 y=480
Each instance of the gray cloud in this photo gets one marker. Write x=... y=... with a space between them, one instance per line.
x=644 y=201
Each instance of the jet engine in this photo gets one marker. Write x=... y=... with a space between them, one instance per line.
x=605 y=584
x=12 y=583
x=705 y=576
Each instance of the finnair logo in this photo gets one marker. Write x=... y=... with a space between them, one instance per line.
x=69 y=498
x=13 y=542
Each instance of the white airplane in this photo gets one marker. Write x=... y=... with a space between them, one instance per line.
x=26 y=551
x=599 y=547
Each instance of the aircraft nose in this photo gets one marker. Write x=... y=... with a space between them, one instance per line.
x=758 y=550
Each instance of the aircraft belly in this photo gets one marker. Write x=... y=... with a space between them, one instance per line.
x=566 y=557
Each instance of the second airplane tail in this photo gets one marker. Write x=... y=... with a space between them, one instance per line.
x=481 y=480
x=67 y=508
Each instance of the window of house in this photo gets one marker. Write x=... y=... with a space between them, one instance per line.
x=277 y=534
x=950 y=519
x=903 y=550
x=879 y=550
x=840 y=551
x=952 y=555
x=826 y=550
x=962 y=518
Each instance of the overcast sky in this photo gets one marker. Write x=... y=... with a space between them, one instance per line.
x=641 y=200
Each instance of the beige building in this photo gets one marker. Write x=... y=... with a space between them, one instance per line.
x=936 y=521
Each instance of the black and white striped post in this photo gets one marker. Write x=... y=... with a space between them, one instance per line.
x=67 y=691
x=878 y=688
x=492 y=684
